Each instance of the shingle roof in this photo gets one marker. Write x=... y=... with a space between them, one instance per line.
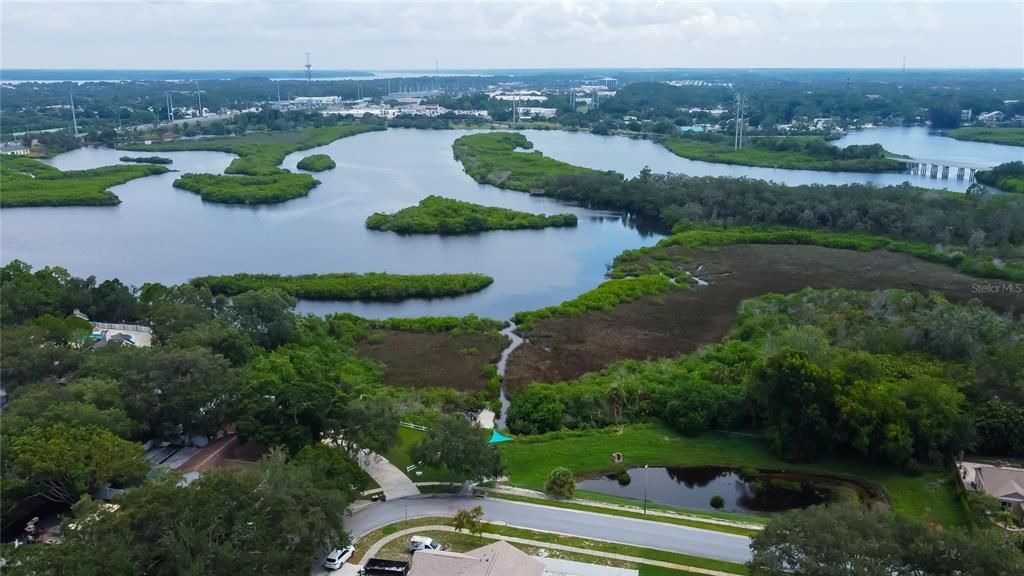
x=497 y=559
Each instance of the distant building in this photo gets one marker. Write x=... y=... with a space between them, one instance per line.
x=991 y=117
x=1004 y=483
x=966 y=115
x=15 y=149
x=534 y=112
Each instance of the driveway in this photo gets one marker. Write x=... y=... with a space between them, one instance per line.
x=394 y=481
x=643 y=533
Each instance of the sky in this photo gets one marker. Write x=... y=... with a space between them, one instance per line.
x=391 y=35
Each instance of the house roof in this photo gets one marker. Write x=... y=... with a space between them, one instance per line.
x=497 y=559
x=1003 y=483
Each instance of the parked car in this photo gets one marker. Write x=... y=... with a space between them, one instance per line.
x=337 y=558
x=424 y=543
x=375 y=567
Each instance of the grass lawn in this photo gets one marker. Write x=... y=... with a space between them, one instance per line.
x=610 y=499
x=930 y=496
x=576 y=505
x=647 y=570
x=462 y=542
x=399 y=456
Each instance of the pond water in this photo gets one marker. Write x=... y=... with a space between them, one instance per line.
x=694 y=487
x=161 y=234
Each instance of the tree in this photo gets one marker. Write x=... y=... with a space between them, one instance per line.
x=469 y=520
x=561 y=483
x=270 y=519
x=849 y=539
x=265 y=316
x=171 y=391
x=333 y=469
x=291 y=397
x=460 y=447
x=372 y=423
x=63 y=462
x=83 y=402
x=798 y=400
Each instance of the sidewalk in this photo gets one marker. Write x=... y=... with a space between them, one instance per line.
x=393 y=481
x=374 y=549
x=635 y=509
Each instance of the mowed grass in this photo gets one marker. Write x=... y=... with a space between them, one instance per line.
x=400 y=457
x=930 y=496
x=502 y=159
x=463 y=542
x=29 y=182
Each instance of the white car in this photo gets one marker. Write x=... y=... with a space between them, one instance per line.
x=336 y=558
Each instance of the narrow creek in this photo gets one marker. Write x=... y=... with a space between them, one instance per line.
x=515 y=341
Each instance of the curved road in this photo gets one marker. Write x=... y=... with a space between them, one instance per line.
x=703 y=543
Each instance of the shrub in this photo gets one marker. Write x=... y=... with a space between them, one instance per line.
x=717 y=502
x=561 y=483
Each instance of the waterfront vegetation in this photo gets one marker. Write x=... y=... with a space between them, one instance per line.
x=1005 y=136
x=29 y=182
x=316 y=163
x=437 y=215
x=503 y=159
x=606 y=296
x=974 y=260
x=1008 y=177
x=147 y=159
x=254 y=177
x=993 y=221
x=350 y=286
x=263 y=189
x=792 y=152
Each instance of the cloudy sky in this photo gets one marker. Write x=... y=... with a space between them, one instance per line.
x=381 y=35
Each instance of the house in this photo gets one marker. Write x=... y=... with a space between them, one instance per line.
x=991 y=117
x=491 y=560
x=1004 y=483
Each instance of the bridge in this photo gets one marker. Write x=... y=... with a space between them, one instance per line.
x=927 y=168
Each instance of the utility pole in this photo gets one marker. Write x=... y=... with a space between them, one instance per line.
x=309 y=80
x=74 y=118
x=740 y=121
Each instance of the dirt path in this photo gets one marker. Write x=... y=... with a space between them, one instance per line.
x=654 y=327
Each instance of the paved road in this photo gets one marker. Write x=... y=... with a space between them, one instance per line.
x=660 y=535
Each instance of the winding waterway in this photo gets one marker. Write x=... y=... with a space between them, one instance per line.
x=161 y=234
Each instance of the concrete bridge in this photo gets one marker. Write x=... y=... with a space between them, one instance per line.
x=940 y=168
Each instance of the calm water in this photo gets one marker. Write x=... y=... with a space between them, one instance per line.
x=167 y=235
x=161 y=234
x=920 y=142
x=694 y=487
x=629 y=156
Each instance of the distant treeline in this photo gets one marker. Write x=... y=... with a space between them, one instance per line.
x=146 y=159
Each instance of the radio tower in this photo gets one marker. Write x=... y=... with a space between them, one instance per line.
x=309 y=80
